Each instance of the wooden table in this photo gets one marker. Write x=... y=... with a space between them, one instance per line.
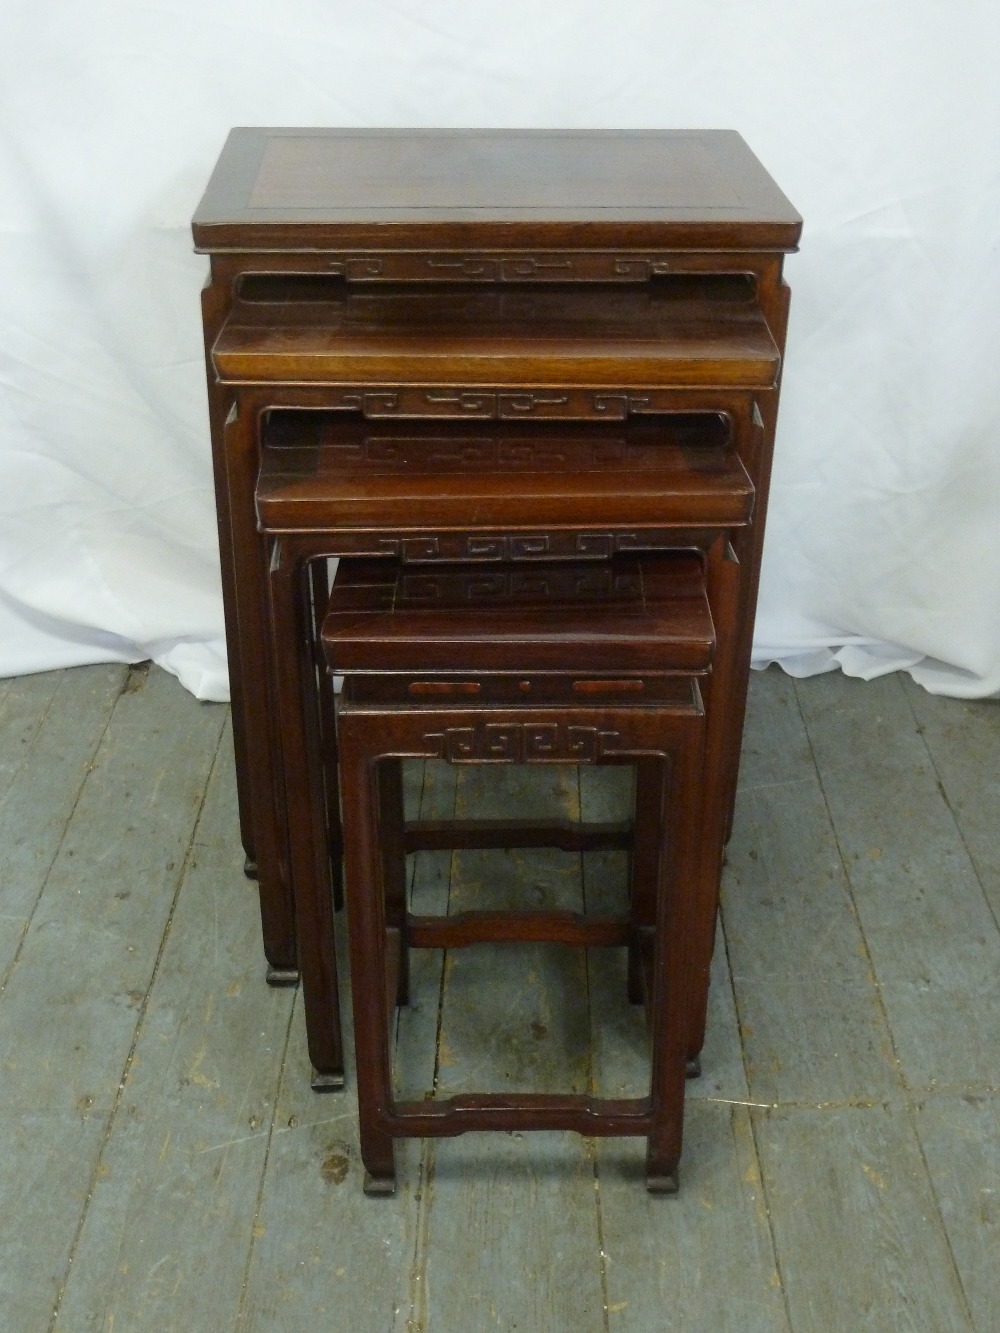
x=580 y=276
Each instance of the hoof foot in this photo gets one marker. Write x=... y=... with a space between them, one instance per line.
x=668 y=1183
x=692 y=1067
x=326 y=1082
x=282 y=976
x=250 y=868
x=379 y=1187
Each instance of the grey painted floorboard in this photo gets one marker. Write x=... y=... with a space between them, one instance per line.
x=23 y=708
x=776 y=747
x=811 y=1019
x=961 y=1142
x=511 y=1019
x=46 y=1159
x=430 y=878
x=963 y=740
x=859 y=1239
x=50 y=727
x=72 y=1002
x=929 y=930
x=171 y=1214
x=12 y=930
x=73 y=997
x=704 y=1259
x=322 y=1254
x=164 y=1163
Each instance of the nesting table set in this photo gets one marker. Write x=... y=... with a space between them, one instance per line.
x=523 y=386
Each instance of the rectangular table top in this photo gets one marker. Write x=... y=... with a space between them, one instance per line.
x=323 y=471
x=547 y=336
x=631 y=614
x=306 y=189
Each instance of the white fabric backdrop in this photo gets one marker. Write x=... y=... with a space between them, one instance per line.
x=880 y=121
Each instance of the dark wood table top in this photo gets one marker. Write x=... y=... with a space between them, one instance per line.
x=566 y=335
x=369 y=188
x=631 y=614
x=320 y=472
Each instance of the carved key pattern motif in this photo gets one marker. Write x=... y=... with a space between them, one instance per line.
x=522 y=743
x=516 y=584
x=506 y=546
x=488 y=405
x=503 y=268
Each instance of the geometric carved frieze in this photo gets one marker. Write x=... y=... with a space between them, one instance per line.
x=430 y=584
x=502 y=267
x=511 y=546
x=457 y=403
x=522 y=743
x=463 y=452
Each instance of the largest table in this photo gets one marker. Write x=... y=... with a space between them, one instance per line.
x=323 y=245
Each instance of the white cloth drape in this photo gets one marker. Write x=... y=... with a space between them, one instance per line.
x=880 y=122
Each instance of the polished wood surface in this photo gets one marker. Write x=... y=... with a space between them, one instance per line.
x=619 y=617
x=690 y=331
x=519 y=619
x=310 y=253
x=294 y=188
x=327 y=471
x=304 y=739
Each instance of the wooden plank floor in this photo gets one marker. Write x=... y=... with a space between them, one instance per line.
x=165 y=1166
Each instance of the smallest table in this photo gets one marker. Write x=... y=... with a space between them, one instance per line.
x=555 y=663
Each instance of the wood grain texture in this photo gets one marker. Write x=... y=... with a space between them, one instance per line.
x=859 y=1240
x=705 y=1256
x=50 y=727
x=566 y=304
x=512 y=1237
x=429 y=790
x=513 y=1019
x=963 y=741
x=363 y=1268
x=543 y=339
x=23 y=707
x=702 y=1260
x=646 y=616
x=171 y=1213
x=618 y=1027
x=960 y=1137
x=884 y=1215
x=321 y=472
x=775 y=742
x=88 y=957
x=322 y=1253
x=533 y=1033
x=320 y=188
x=932 y=938
x=72 y=1002
x=810 y=1016
x=46 y=1158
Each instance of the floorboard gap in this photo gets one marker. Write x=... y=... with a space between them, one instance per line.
x=88 y=769
x=139 y=1024
x=942 y=789
x=259 y=1201
x=852 y=899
